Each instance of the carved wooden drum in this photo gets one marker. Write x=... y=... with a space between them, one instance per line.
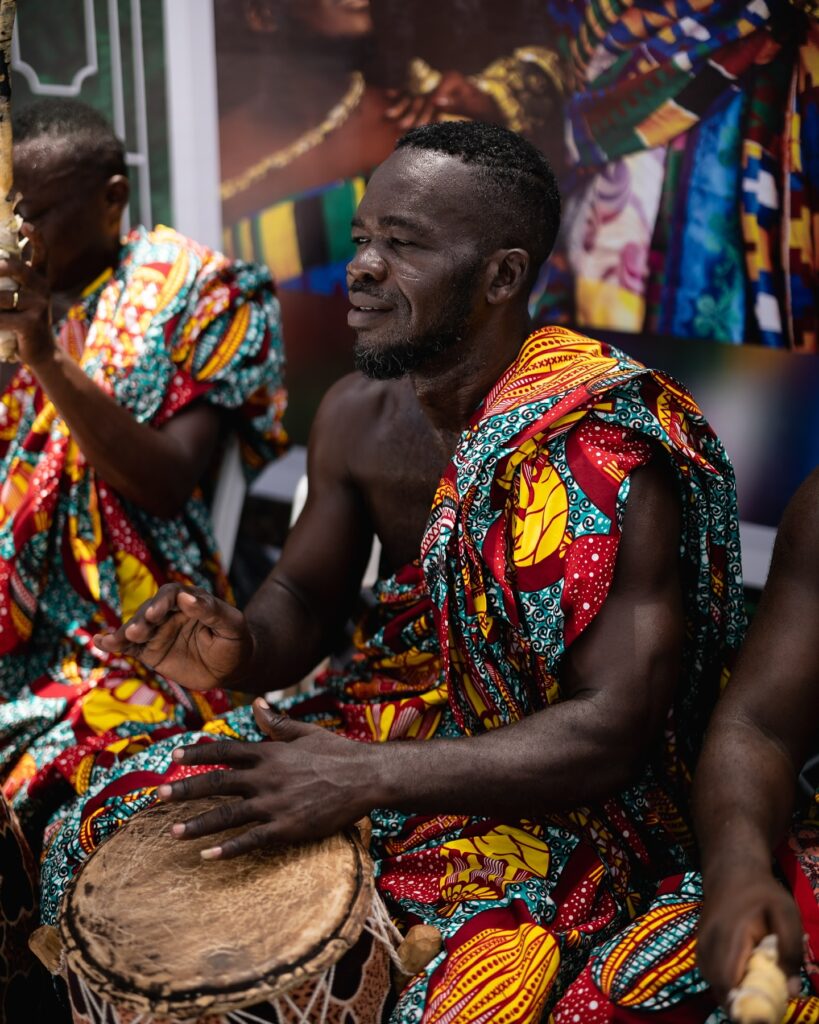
x=151 y=933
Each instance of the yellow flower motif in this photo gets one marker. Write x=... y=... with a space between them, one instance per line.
x=481 y=867
x=130 y=701
x=21 y=773
x=218 y=727
x=84 y=549
x=9 y=416
x=136 y=584
x=15 y=488
x=541 y=515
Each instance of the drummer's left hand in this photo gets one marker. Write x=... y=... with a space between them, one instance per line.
x=307 y=785
x=30 y=317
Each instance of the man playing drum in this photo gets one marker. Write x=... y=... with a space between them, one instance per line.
x=560 y=590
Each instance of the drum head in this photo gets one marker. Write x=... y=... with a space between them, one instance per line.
x=149 y=925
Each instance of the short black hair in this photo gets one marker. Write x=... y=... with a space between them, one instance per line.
x=516 y=180
x=93 y=141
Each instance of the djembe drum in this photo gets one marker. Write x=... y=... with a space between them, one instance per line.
x=150 y=933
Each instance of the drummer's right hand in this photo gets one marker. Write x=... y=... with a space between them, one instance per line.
x=188 y=635
x=745 y=904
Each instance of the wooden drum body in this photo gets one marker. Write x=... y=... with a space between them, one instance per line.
x=150 y=931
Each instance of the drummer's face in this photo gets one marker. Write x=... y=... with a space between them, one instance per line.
x=69 y=213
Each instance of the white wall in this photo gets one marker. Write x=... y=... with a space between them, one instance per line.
x=193 y=123
x=193 y=140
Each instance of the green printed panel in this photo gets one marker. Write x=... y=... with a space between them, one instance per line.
x=52 y=37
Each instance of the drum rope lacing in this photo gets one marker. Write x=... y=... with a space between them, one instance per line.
x=379 y=925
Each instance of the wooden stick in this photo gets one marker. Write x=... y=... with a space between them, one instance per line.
x=9 y=223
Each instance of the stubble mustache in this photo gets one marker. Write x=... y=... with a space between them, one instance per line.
x=356 y=288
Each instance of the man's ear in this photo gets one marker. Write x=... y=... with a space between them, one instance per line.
x=508 y=273
x=117 y=192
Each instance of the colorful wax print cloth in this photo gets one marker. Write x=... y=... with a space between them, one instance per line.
x=692 y=140
x=649 y=971
x=516 y=561
x=518 y=558
x=173 y=323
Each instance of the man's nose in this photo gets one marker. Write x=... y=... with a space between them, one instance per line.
x=366 y=265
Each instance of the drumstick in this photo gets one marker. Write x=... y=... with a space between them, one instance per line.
x=762 y=995
x=9 y=222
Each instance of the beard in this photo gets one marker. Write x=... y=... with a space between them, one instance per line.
x=399 y=356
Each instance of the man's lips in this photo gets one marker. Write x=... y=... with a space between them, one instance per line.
x=366 y=316
x=361 y=300
x=367 y=309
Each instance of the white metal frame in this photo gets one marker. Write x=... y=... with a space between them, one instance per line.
x=138 y=159
x=75 y=85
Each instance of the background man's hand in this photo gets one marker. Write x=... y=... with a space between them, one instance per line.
x=740 y=910
x=188 y=635
x=30 y=319
x=307 y=784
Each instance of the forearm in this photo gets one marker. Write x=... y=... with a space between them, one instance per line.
x=137 y=461
x=288 y=641
x=559 y=758
x=743 y=799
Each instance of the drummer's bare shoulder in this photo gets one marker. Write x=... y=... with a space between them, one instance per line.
x=326 y=551
x=355 y=418
x=375 y=454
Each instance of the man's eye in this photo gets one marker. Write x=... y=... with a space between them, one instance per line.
x=358 y=240
x=400 y=242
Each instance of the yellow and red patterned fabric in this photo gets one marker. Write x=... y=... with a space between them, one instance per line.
x=516 y=562
x=650 y=970
x=173 y=323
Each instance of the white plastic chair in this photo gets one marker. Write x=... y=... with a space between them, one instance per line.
x=228 y=499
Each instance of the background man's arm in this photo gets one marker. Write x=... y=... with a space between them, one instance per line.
x=759 y=737
x=156 y=469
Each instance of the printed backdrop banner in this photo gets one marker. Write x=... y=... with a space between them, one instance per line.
x=685 y=134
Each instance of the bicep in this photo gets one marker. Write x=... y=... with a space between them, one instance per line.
x=627 y=660
x=326 y=552
x=192 y=436
x=775 y=685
